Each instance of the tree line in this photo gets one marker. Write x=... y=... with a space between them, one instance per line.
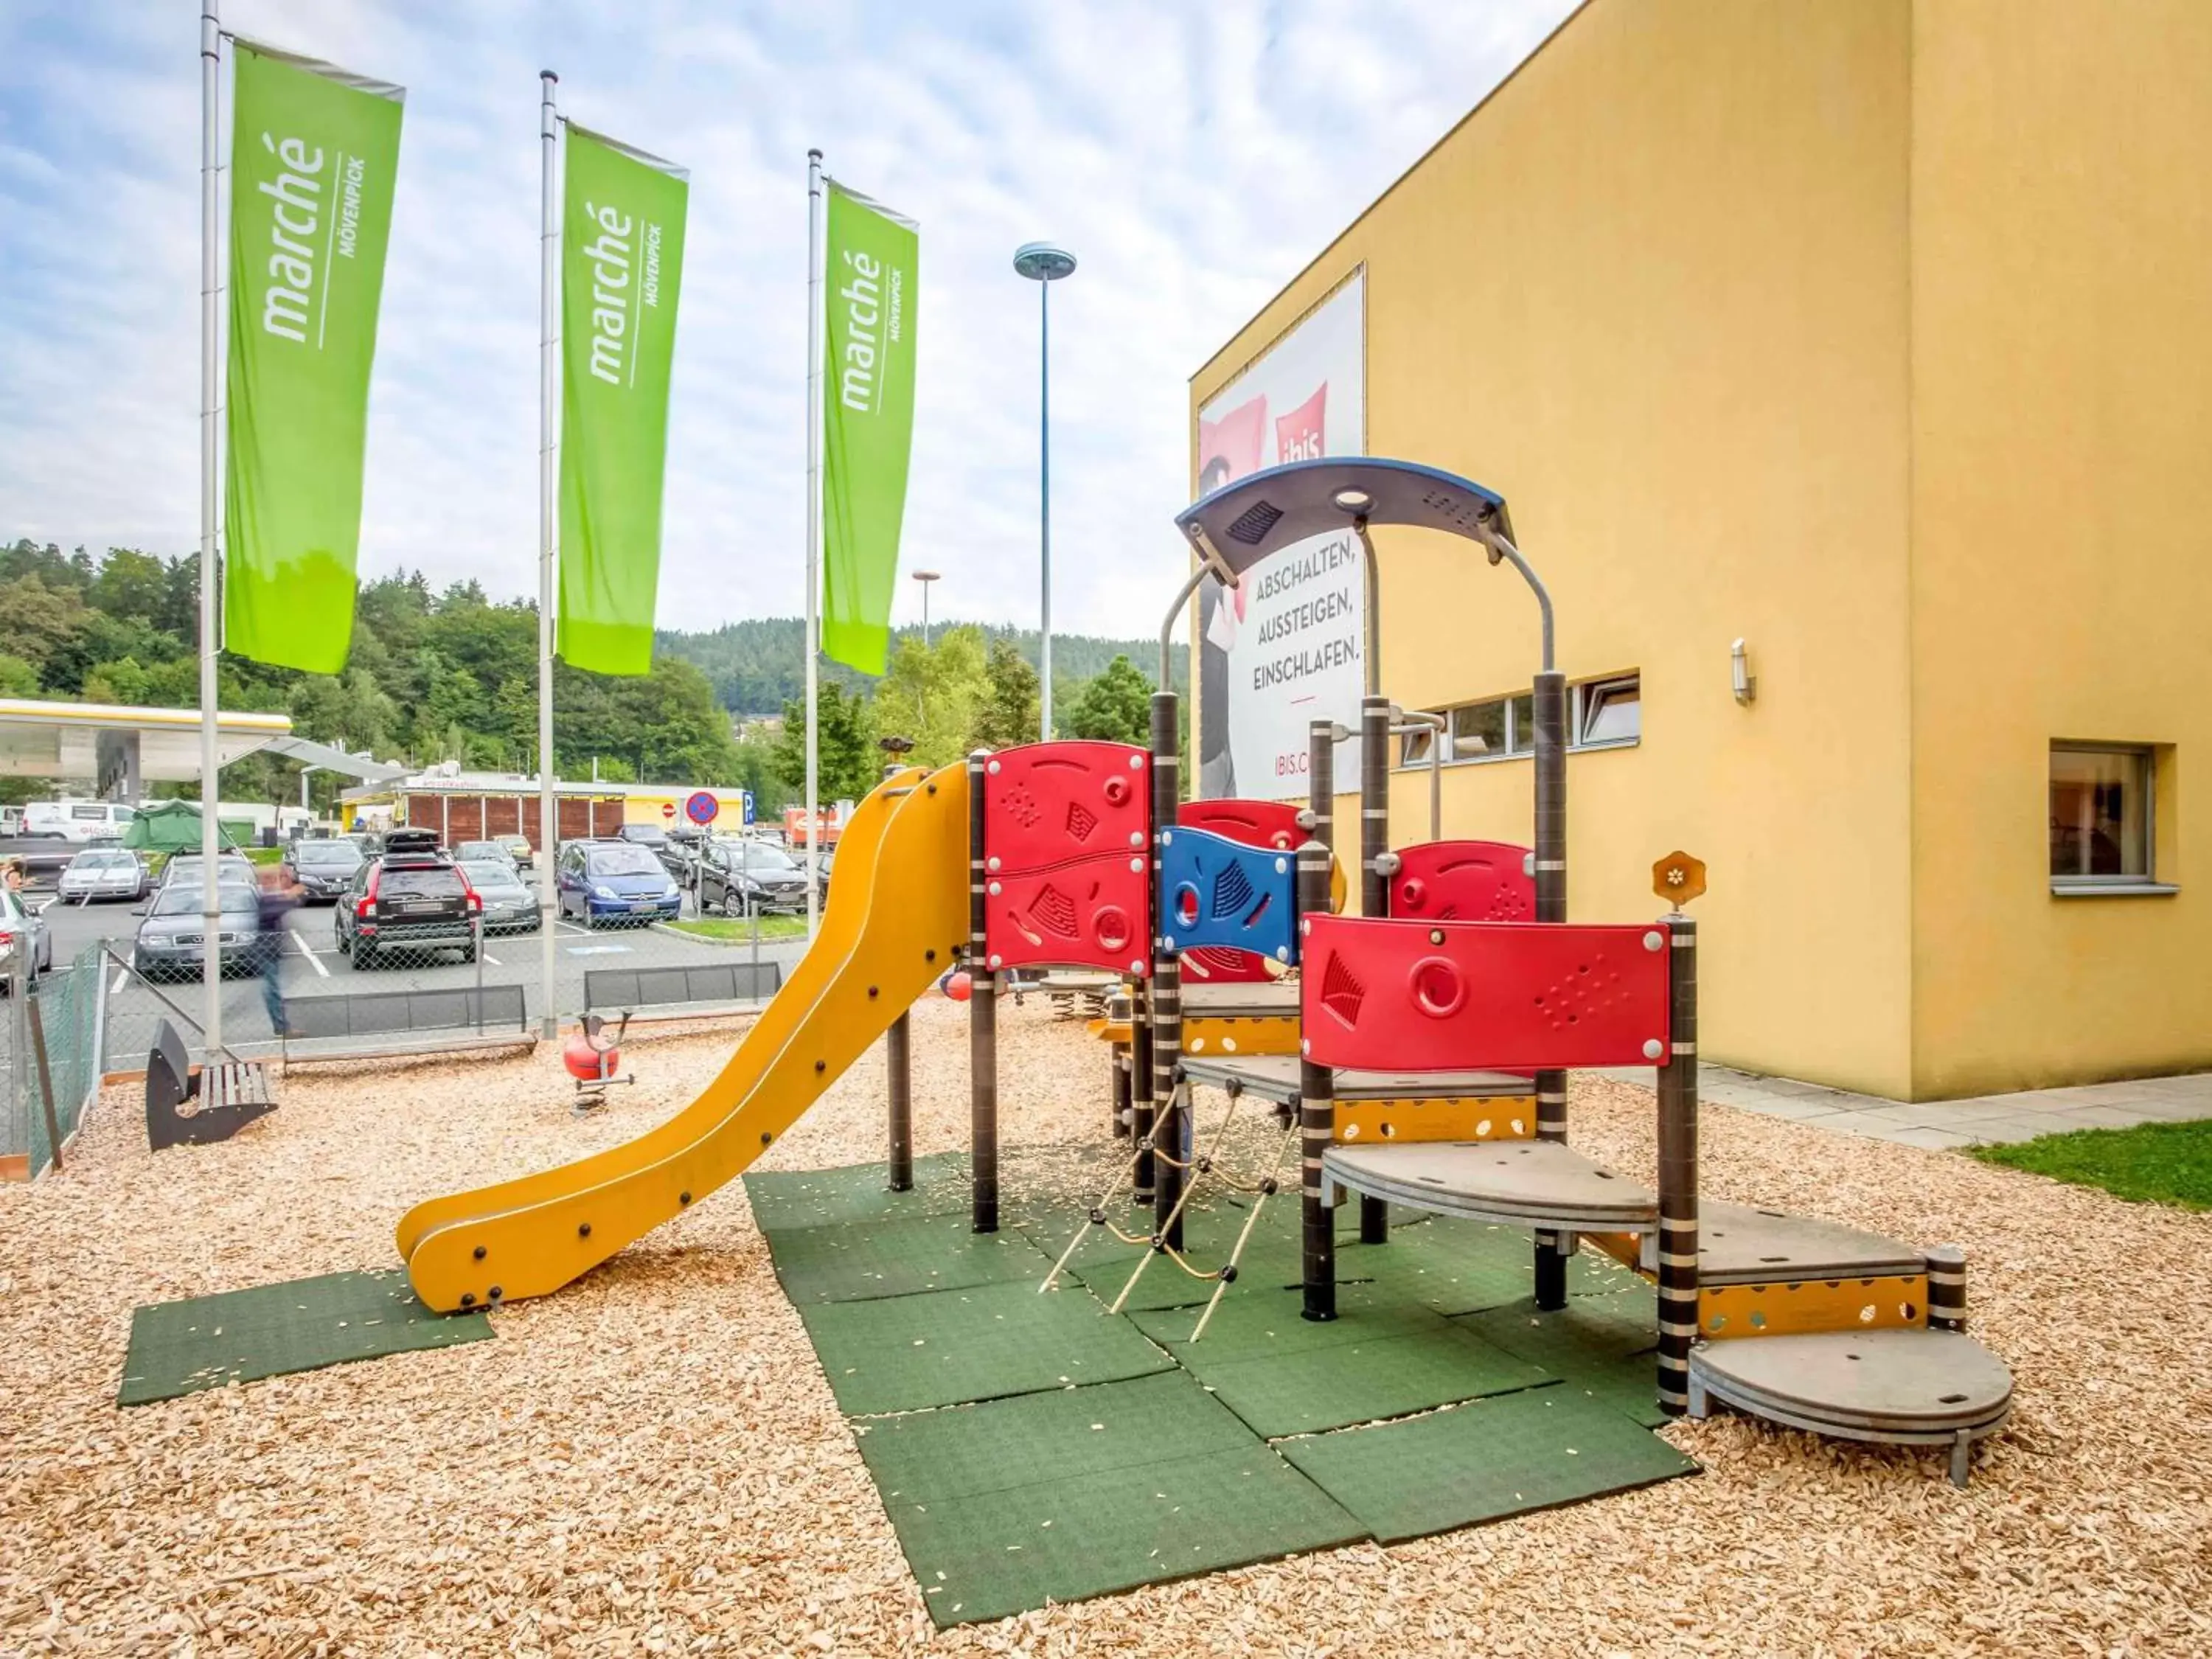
x=451 y=674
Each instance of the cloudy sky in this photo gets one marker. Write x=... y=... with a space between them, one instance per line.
x=1193 y=157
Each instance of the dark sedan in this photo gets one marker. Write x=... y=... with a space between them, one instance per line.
x=735 y=873
x=172 y=941
x=323 y=869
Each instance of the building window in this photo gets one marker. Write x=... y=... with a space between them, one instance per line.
x=1601 y=714
x=1478 y=729
x=2101 y=815
x=1611 y=711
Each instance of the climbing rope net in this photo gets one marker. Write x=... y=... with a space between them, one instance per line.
x=1200 y=1169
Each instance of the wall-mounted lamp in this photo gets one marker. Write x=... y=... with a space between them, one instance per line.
x=1745 y=683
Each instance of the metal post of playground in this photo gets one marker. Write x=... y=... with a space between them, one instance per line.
x=1171 y=1134
x=1404 y=723
x=1377 y=862
x=1678 y=1170
x=982 y=1019
x=1316 y=1097
x=1551 y=873
x=548 y=415
x=210 y=682
x=898 y=1055
x=813 y=528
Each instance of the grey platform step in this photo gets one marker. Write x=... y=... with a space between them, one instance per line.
x=1275 y=1078
x=1274 y=999
x=1738 y=1244
x=1914 y=1387
x=1543 y=1184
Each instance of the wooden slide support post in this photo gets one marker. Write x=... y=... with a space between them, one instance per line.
x=1317 y=1084
x=1678 y=1169
x=1550 y=705
x=982 y=1020
x=1171 y=1136
x=1377 y=866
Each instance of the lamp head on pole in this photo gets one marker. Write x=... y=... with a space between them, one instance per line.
x=1043 y=262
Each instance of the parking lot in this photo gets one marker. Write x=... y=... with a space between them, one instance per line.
x=312 y=966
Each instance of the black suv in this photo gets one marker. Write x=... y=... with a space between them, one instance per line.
x=410 y=897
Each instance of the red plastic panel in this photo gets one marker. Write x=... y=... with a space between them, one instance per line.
x=1086 y=915
x=1463 y=881
x=1067 y=845
x=1443 y=996
x=1051 y=804
x=1256 y=823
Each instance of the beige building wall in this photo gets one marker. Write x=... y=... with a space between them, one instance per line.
x=1670 y=329
x=2062 y=524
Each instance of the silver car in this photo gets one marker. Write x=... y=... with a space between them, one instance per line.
x=510 y=904
x=18 y=923
x=104 y=872
x=172 y=941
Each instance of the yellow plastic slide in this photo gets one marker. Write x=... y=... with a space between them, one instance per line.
x=898 y=921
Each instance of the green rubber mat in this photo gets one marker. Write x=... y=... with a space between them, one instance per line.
x=241 y=1336
x=905 y=1353
x=1450 y=1265
x=1601 y=1344
x=1006 y=1551
x=831 y=1197
x=1256 y=1323
x=1483 y=1462
x=1068 y=1434
x=899 y=1258
x=1327 y=1387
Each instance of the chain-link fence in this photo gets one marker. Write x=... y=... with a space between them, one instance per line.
x=325 y=981
x=50 y=1035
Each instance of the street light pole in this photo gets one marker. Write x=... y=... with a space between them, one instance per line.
x=1044 y=264
x=927 y=578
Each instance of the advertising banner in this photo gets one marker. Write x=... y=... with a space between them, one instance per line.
x=313 y=154
x=1285 y=647
x=622 y=266
x=867 y=421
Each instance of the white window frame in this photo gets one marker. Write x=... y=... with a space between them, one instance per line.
x=2145 y=885
x=1412 y=750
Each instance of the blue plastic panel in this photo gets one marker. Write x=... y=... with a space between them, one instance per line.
x=1219 y=892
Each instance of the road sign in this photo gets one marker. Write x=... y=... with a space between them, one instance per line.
x=702 y=806
x=668 y=809
x=747 y=796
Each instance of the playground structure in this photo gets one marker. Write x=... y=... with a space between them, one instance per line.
x=1420 y=1058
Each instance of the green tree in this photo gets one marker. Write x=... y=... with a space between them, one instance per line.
x=932 y=695
x=131 y=585
x=41 y=622
x=1008 y=714
x=850 y=763
x=1113 y=707
x=18 y=678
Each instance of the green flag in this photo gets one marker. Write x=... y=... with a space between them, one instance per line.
x=621 y=264
x=313 y=154
x=867 y=421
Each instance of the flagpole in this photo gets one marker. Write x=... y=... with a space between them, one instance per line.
x=813 y=528
x=210 y=682
x=549 y=391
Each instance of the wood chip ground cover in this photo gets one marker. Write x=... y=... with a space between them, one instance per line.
x=652 y=1460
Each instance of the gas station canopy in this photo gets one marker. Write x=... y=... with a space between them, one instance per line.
x=121 y=749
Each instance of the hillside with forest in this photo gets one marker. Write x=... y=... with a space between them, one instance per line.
x=451 y=674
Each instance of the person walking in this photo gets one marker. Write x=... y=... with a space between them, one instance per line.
x=277 y=898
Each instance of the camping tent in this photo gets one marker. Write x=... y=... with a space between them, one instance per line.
x=173 y=826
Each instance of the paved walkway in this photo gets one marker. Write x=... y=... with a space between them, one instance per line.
x=1945 y=1123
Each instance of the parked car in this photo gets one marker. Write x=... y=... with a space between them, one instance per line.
x=323 y=869
x=656 y=840
x=18 y=922
x=76 y=820
x=518 y=849
x=465 y=852
x=510 y=904
x=409 y=900
x=183 y=868
x=736 y=870
x=104 y=872
x=615 y=881
x=171 y=940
